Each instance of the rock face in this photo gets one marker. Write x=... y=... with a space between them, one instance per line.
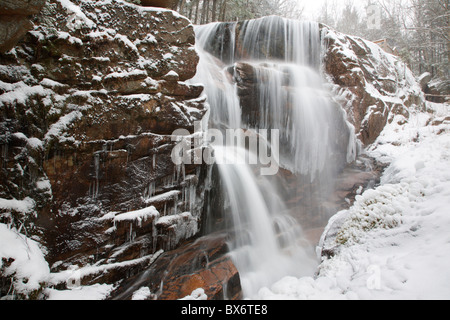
x=374 y=85
x=89 y=101
x=14 y=20
x=159 y=3
x=203 y=263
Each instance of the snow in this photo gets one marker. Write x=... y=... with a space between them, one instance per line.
x=77 y=18
x=142 y=294
x=94 y=292
x=126 y=74
x=29 y=268
x=19 y=93
x=24 y=206
x=33 y=143
x=138 y=215
x=73 y=276
x=170 y=195
x=197 y=294
x=126 y=42
x=394 y=242
x=61 y=125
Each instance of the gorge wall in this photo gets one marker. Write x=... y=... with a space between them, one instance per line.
x=89 y=98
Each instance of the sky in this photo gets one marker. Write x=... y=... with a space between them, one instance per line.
x=313 y=7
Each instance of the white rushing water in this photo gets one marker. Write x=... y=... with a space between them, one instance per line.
x=285 y=58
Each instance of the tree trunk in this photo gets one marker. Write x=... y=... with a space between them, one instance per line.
x=196 y=11
x=214 y=8
x=204 y=12
x=224 y=10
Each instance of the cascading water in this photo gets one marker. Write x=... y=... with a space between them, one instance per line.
x=282 y=61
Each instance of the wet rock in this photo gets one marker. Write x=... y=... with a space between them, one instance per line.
x=203 y=263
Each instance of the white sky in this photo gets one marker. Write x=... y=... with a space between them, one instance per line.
x=313 y=7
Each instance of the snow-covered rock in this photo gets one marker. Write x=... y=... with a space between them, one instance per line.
x=88 y=102
x=23 y=267
x=373 y=85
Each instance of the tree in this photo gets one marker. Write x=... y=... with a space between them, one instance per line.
x=431 y=36
x=328 y=13
x=350 y=21
x=206 y=11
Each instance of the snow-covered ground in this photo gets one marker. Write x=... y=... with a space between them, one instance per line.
x=394 y=242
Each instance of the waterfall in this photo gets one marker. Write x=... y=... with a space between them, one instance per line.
x=265 y=74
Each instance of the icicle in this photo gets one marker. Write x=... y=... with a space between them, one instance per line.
x=97 y=174
x=130 y=236
x=192 y=197
x=154 y=234
x=175 y=208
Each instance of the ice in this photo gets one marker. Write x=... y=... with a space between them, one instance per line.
x=183 y=226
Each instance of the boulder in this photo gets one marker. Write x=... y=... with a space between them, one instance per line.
x=372 y=85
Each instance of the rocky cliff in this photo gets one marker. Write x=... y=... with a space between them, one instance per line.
x=372 y=84
x=89 y=100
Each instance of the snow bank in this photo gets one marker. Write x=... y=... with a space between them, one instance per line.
x=94 y=292
x=22 y=260
x=394 y=242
